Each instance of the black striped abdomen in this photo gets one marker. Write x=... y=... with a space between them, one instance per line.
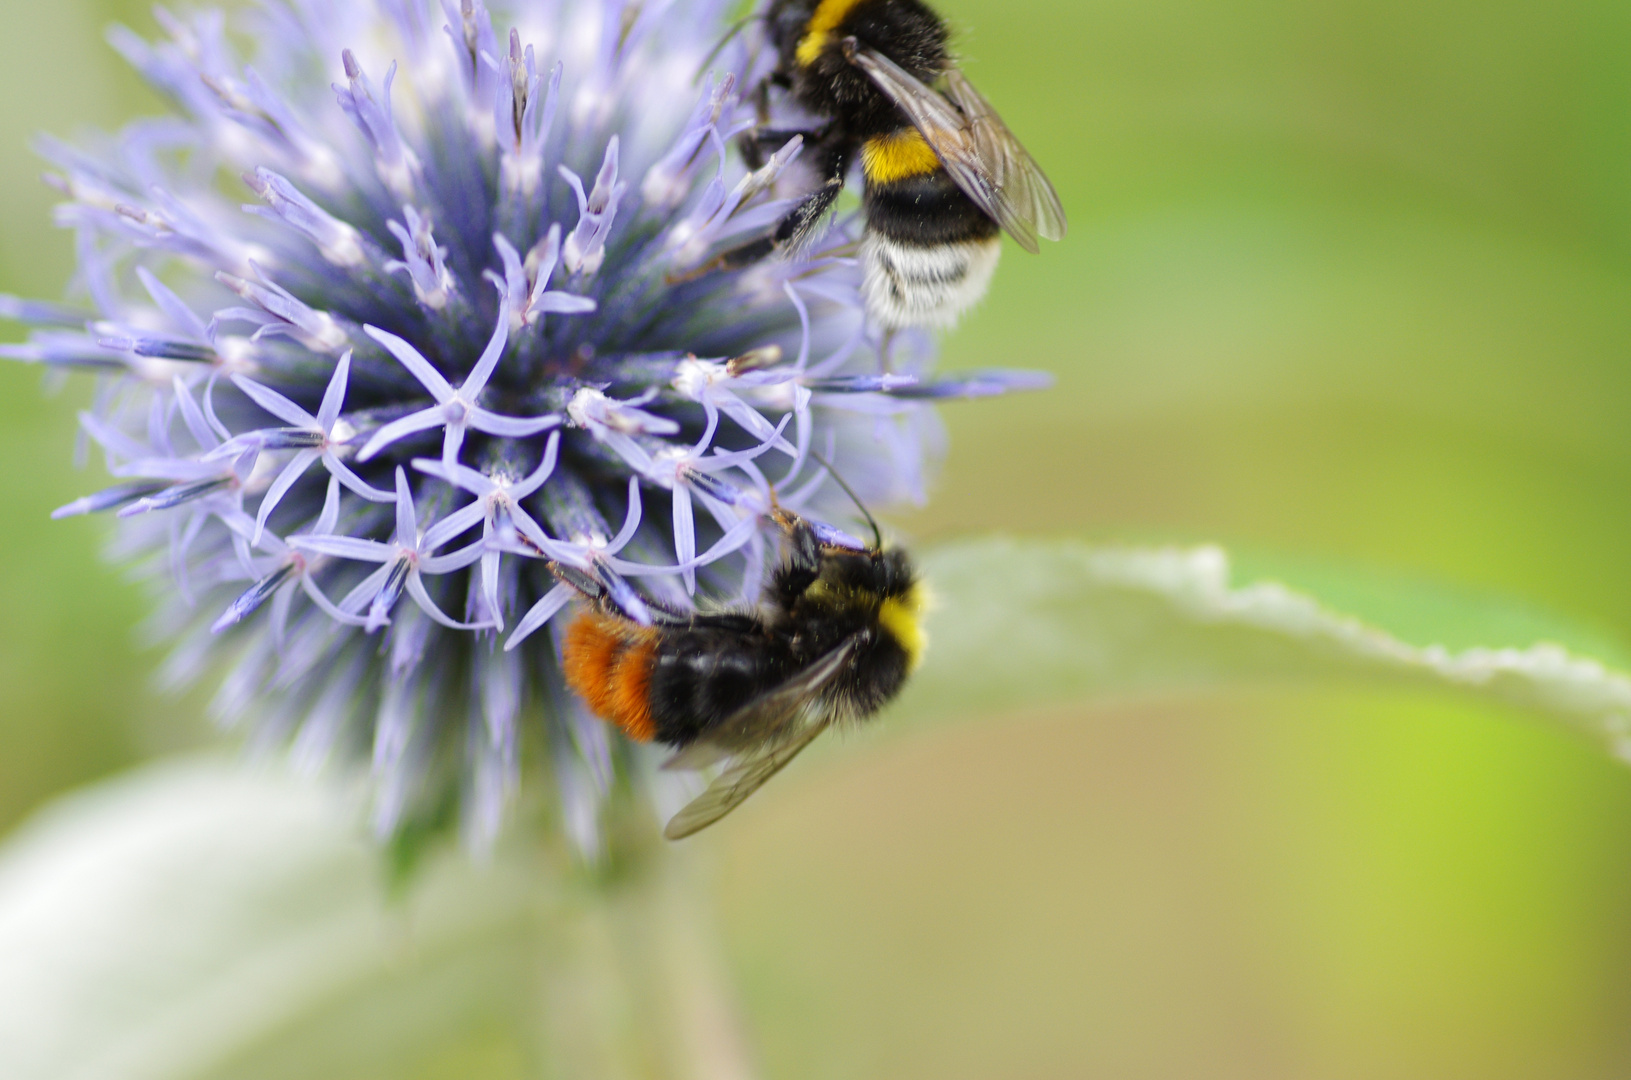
x=928 y=253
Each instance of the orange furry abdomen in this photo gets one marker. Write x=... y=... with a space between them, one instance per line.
x=608 y=662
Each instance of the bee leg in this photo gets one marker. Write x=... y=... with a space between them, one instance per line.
x=762 y=99
x=754 y=143
x=803 y=564
x=606 y=589
x=761 y=93
x=797 y=230
x=804 y=223
x=578 y=579
x=886 y=352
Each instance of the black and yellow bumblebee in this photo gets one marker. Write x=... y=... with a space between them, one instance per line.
x=943 y=175
x=832 y=640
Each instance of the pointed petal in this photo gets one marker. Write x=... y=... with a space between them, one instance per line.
x=511 y=427
x=804 y=325
x=412 y=359
x=331 y=507
x=275 y=403
x=334 y=396
x=345 y=547
x=342 y=472
x=710 y=413
x=452 y=440
x=526 y=526
x=547 y=261
x=489 y=587
x=631 y=521
x=242 y=527
x=328 y=606
x=540 y=613
x=365 y=590
x=750 y=419
x=483 y=370
x=416 y=589
x=407 y=522
x=294 y=470
x=560 y=303
x=725 y=459
x=542 y=472
x=115 y=442
x=453 y=525
x=423 y=420
x=219 y=428
x=460 y=476
x=199 y=427
x=685 y=537
x=734 y=538
x=453 y=560
x=179 y=314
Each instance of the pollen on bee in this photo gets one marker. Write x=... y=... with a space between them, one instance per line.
x=607 y=661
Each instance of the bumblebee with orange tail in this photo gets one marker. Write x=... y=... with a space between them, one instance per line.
x=832 y=640
x=943 y=174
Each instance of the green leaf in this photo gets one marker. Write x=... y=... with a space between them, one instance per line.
x=1023 y=622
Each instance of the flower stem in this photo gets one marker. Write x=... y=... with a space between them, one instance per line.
x=633 y=981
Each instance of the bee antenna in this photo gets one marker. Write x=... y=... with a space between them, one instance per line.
x=736 y=28
x=877 y=534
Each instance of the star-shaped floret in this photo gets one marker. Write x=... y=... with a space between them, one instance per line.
x=312 y=438
x=498 y=508
x=455 y=409
x=403 y=562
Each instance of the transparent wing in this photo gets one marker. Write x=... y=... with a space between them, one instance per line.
x=976 y=147
x=732 y=787
x=1019 y=178
x=758 y=740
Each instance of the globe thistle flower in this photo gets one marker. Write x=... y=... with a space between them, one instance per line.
x=414 y=305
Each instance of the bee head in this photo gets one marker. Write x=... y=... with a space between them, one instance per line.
x=894 y=576
x=882 y=574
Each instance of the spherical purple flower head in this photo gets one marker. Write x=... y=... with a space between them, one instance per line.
x=408 y=307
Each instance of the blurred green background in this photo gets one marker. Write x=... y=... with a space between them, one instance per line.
x=1349 y=282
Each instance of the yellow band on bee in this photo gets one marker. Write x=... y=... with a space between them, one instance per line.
x=900 y=617
x=897 y=156
x=818 y=32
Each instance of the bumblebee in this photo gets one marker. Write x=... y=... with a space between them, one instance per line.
x=943 y=175
x=832 y=640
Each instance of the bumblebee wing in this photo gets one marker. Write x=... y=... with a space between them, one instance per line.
x=976 y=148
x=741 y=779
x=758 y=740
x=1026 y=192
x=772 y=718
